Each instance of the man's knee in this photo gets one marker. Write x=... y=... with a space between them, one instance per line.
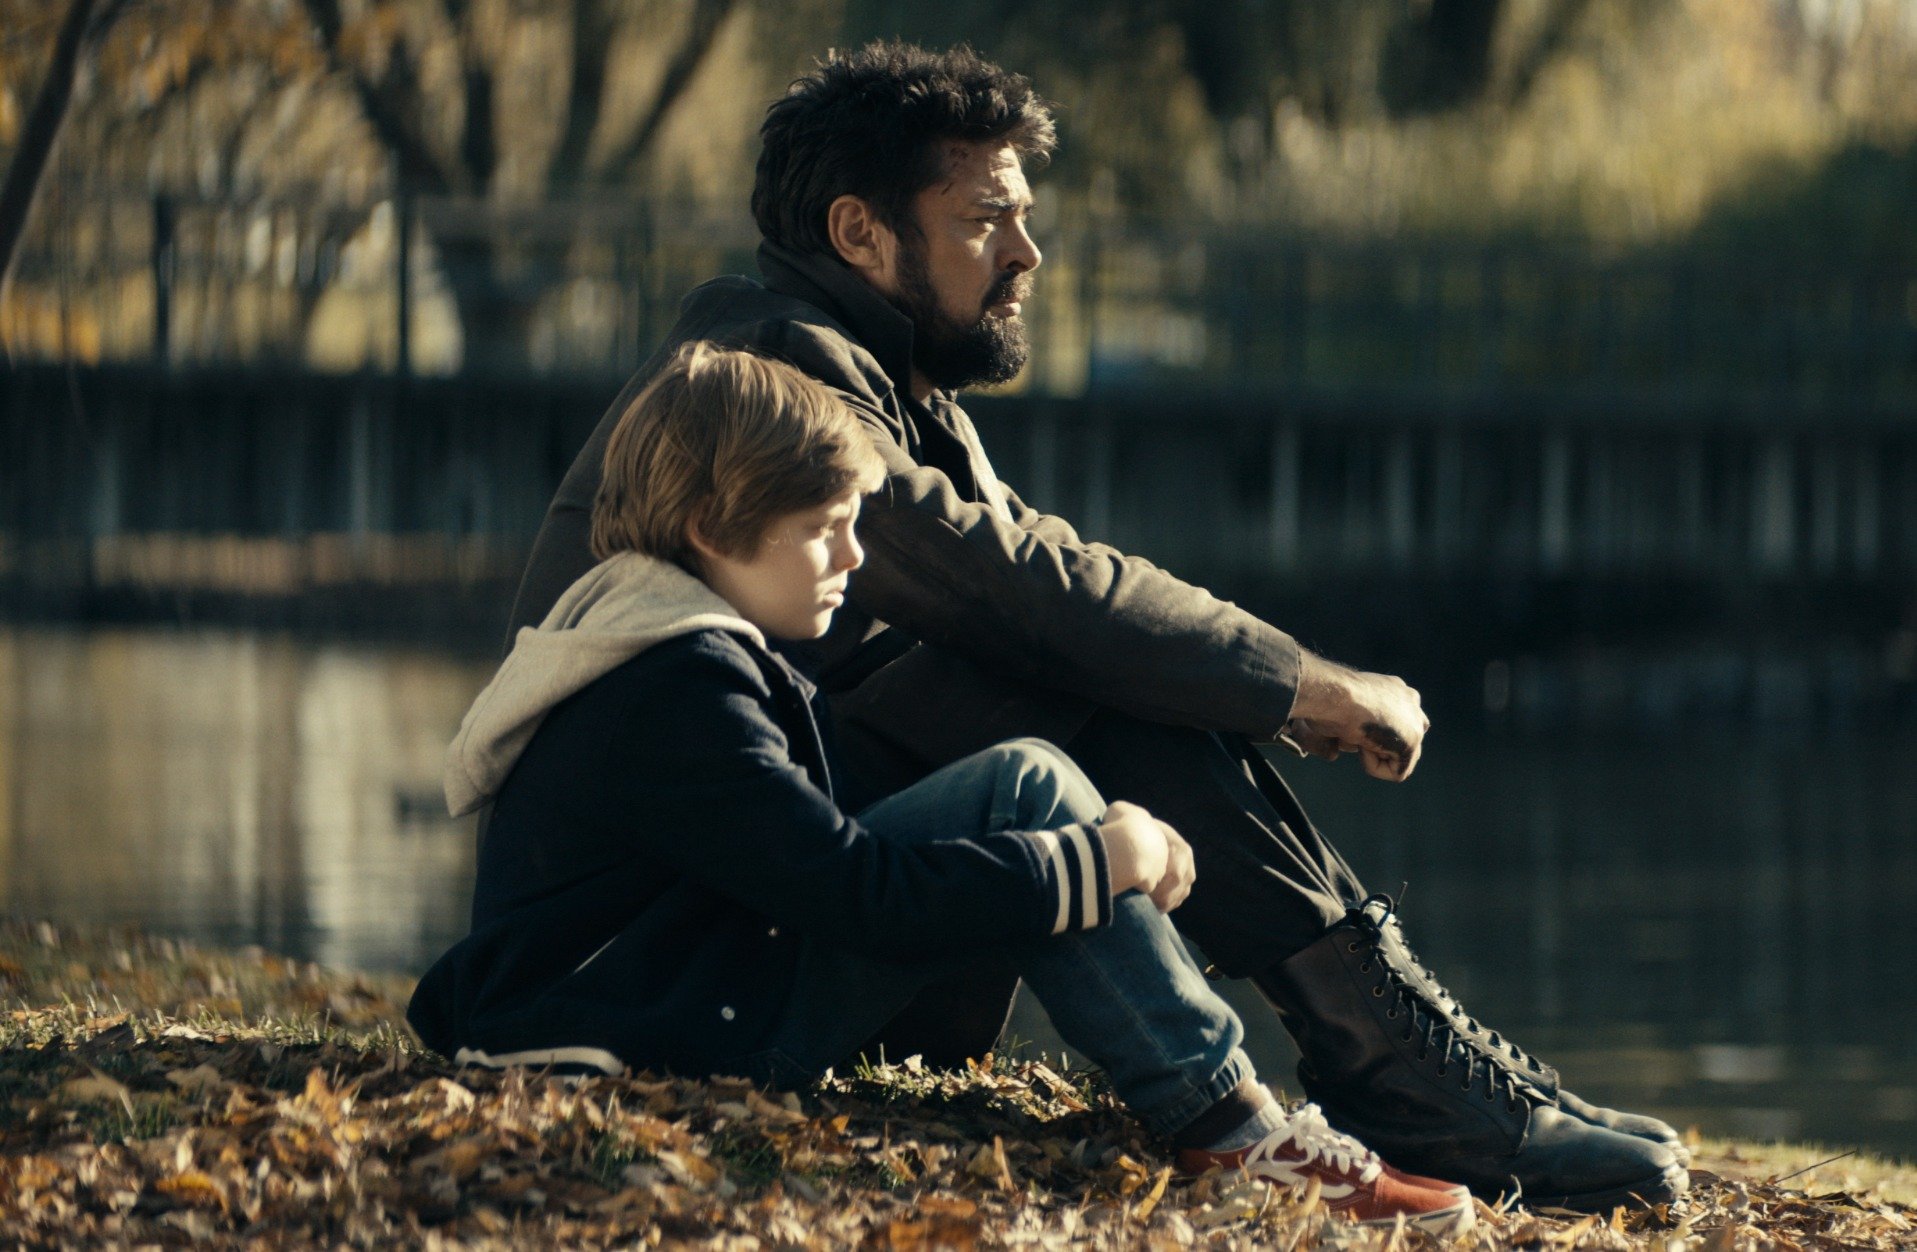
x=1052 y=790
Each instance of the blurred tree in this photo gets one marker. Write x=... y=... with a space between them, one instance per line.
x=490 y=106
x=1249 y=61
x=79 y=29
x=1628 y=122
x=443 y=129
x=140 y=67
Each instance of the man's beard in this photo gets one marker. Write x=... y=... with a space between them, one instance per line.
x=951 y=353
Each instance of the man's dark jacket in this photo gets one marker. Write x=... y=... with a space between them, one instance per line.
x=1055 y=626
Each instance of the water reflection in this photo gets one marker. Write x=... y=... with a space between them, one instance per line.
x=234 y=786
x=1719 y=929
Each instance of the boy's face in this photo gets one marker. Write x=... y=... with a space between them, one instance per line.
x=789 y=586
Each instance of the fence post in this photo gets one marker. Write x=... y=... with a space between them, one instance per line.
x=1295 y=314
x=403 y=311
x=1491 y=273
x=165 y=265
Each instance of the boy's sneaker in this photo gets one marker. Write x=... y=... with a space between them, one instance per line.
x=1355 y=1184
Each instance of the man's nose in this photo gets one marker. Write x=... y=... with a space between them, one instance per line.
x=1021 y=251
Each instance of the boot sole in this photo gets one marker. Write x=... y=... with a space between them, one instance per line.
x=1662 y=1188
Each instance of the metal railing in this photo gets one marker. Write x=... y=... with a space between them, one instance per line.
x=422 y=285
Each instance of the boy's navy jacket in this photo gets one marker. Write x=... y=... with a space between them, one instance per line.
x=664 y=841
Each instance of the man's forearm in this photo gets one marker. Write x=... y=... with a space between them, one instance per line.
x=1083 y=619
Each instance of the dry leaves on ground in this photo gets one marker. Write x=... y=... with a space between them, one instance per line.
x=143 y=1126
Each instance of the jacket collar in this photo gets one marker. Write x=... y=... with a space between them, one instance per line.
x=831 y=285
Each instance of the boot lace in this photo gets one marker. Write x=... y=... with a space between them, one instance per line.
x=1307 y=1129
x=1430 y=1026
x=1450 y=1006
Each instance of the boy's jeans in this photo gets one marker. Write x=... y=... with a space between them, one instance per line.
x=1126 y=995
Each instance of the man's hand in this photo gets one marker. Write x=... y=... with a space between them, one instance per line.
x=1339 y=709
x=1143 y=852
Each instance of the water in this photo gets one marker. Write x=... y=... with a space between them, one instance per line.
x=1716 y=927
x=236 y=788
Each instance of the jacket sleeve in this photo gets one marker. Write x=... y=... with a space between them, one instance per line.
x=1030 y=598
x=734 y=812
x=1044 y=525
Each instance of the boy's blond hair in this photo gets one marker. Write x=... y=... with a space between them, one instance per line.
x=730 y=441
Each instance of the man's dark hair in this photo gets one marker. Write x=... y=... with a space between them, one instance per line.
x=872 y=123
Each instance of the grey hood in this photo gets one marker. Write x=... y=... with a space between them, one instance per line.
x=618 y=609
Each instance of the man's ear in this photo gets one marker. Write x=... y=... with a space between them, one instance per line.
x=862 y=240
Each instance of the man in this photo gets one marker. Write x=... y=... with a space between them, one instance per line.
x=892 y=197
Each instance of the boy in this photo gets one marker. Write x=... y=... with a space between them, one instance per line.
x=669 y=883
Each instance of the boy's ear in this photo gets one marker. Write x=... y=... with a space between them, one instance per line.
x=702 y=547
x=861 y=239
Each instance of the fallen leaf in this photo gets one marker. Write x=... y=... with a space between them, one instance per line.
x=192 y=1186
x=1145 y=1206
x=96 y=1088
x=196 y=1081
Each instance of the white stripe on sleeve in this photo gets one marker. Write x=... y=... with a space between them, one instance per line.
x=1087 y=877
x=1048 y=839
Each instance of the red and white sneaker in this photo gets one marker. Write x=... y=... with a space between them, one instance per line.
x=1355 y=1184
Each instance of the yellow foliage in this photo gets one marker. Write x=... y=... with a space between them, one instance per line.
x=1636 y=130
x=37 y=322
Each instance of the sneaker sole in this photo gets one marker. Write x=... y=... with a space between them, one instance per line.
x=1446 y=1223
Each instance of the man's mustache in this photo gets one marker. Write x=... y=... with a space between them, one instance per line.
x=1011 y=287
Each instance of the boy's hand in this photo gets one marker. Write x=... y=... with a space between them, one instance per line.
x=1179 y=874
x=1143 y=852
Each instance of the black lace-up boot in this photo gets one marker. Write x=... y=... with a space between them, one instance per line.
x=1532 y=1070
x=1389 y=1057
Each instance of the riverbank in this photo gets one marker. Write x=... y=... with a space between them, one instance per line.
x=158 y=1092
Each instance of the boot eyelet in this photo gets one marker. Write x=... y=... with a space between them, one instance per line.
x=1351 y=947
x=1465 y=1085
x=1364 y=967
x=1392 y=1012
x=1377 y=993
x=1443 y=1070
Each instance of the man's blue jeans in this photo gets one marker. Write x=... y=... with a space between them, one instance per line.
x=1126 y=995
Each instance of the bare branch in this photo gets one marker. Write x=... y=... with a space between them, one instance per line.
x=708 y=16
x=104 y=19
x=1556 y=34
x=38 y=137
x=591 y=49
x=479 y=135
x=390 y=120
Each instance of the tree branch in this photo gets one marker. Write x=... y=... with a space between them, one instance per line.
x=38 y=137
x=1556 y=35
x=104 y=19
x=708 y=16
x=585 y=98
x=478 y=134
x=391 y=126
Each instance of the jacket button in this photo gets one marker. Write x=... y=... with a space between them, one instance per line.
x=727 y=1013
x=773 y=933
